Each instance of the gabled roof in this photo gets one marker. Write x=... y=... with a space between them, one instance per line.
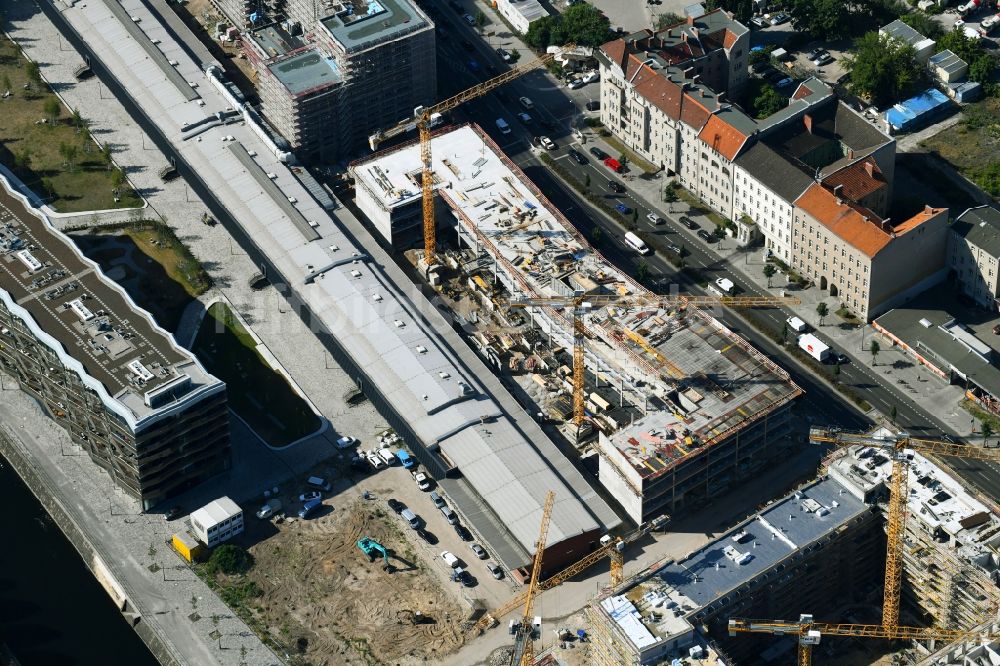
x=845 y=219
x=981 y=227
x=856 y=181
x=693 y=112
x=774 y=171
x=722 y=137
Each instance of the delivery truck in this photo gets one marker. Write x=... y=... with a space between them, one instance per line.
x=813 y=346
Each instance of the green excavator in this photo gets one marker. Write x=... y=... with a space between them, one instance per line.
x=373 y=549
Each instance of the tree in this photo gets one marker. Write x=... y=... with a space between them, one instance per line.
x=595 y=235
x=623 y=160
x=769 y=271
x=670 y=196
x=923 y=23
x=822 y=310
x=52 y=108
x=31 y=70
x=760 y=55
x=824 y=19
x=987 y=431
x=230 y=559
x=69 y=152
x=22 y=159
x=6 y=83
x=893 y=413
x=836 y=372
x=580 y=24
x=667 y=20
x=49 y=188
x=769 y=101
x=586 y=181
x=960 y=44
x=882 y=68
x=585 y=25
x=642 y=271
x=981 y=68
x=874 y=348
x=117 y=178
x=106 y=155
x=480 y=20
x=784 y=333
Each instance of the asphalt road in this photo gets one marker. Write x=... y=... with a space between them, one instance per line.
x=560 y=108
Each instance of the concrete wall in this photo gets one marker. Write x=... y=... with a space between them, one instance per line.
x=909 y=264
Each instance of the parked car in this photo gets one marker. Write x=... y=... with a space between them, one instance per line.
x=704 y=235
x=457 y=6
x=573 y=84
x=467 y=45
x=504 y=55
x=346 y=442
x=760 y=66
x=463 y=533
x=779 y=18
x=824 y=59
x=759 y=21
x=577 y=156
x=310 y=496
x=526 y=103
x=427 y=536
x=473 y=66
x=688 y=222
x=655 y=219
x=815 y=53
x=615 y=186
x=375 y=461
x=598 y=153
x=841 y=358
x=676 y=249
x=495 y=570
x=437 y=499
x=449 y=558
x=479 y=551
x=175 y=512
x=547 y=143
x=396 y=505
x=524 y=118
x=622 y=208
x=423 y=483
x=271 y=507
x=593 y=105
x=468 y=18
x=309 y=508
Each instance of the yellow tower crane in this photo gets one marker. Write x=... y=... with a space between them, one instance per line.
x=422 y=121
x=896 y=520
x=612 y=547
x=582 y=304
x=524 y=646
x=809 y=633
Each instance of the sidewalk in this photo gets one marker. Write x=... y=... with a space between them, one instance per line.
x=892 y=367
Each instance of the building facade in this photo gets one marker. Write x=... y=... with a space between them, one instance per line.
x=218 y=521
x=142 y=407
x=973 y=253
x=521 y=13
x=869 y=263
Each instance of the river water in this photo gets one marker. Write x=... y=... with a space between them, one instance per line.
x=52 y=610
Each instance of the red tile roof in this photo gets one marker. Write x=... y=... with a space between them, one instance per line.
x=856 y=181
x=722 y=137
x=693 y=112
x=616 y=51
x=730 y=39
x=845 y=219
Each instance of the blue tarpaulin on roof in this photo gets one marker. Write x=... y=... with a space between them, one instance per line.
x=918 y=111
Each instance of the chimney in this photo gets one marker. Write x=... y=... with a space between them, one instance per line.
x=684 y=37
x=836 y=190
x=850 y=153
x=720 y=97
x=807 y=120
x=928 y=210
x=690 y=20
x=870 y=168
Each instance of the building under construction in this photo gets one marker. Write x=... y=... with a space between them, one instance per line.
x=950 y=558
x=820 y=545
x=683 y=406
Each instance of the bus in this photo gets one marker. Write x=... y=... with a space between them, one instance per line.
x=636 y=243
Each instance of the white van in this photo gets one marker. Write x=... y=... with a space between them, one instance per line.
x=387 y=456
x=636 y=243
x=797 y=324
x=503 y=126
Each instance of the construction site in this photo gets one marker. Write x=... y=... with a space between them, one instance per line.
x=822 y=552
x=662 y=383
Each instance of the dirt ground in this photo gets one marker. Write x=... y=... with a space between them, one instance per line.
x=319 y=586
x=205 y=15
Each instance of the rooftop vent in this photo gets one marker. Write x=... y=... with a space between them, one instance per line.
x=925 y=323
x=377 y=298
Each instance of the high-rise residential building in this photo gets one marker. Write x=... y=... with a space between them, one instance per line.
x=334 y=73
x=140 y=405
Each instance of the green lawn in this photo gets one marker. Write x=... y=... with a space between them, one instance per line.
x=259 y=395
x=35 y=151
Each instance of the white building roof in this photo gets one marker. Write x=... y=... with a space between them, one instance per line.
x=215 y=512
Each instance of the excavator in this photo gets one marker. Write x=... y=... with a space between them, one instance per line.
x=373 y=549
